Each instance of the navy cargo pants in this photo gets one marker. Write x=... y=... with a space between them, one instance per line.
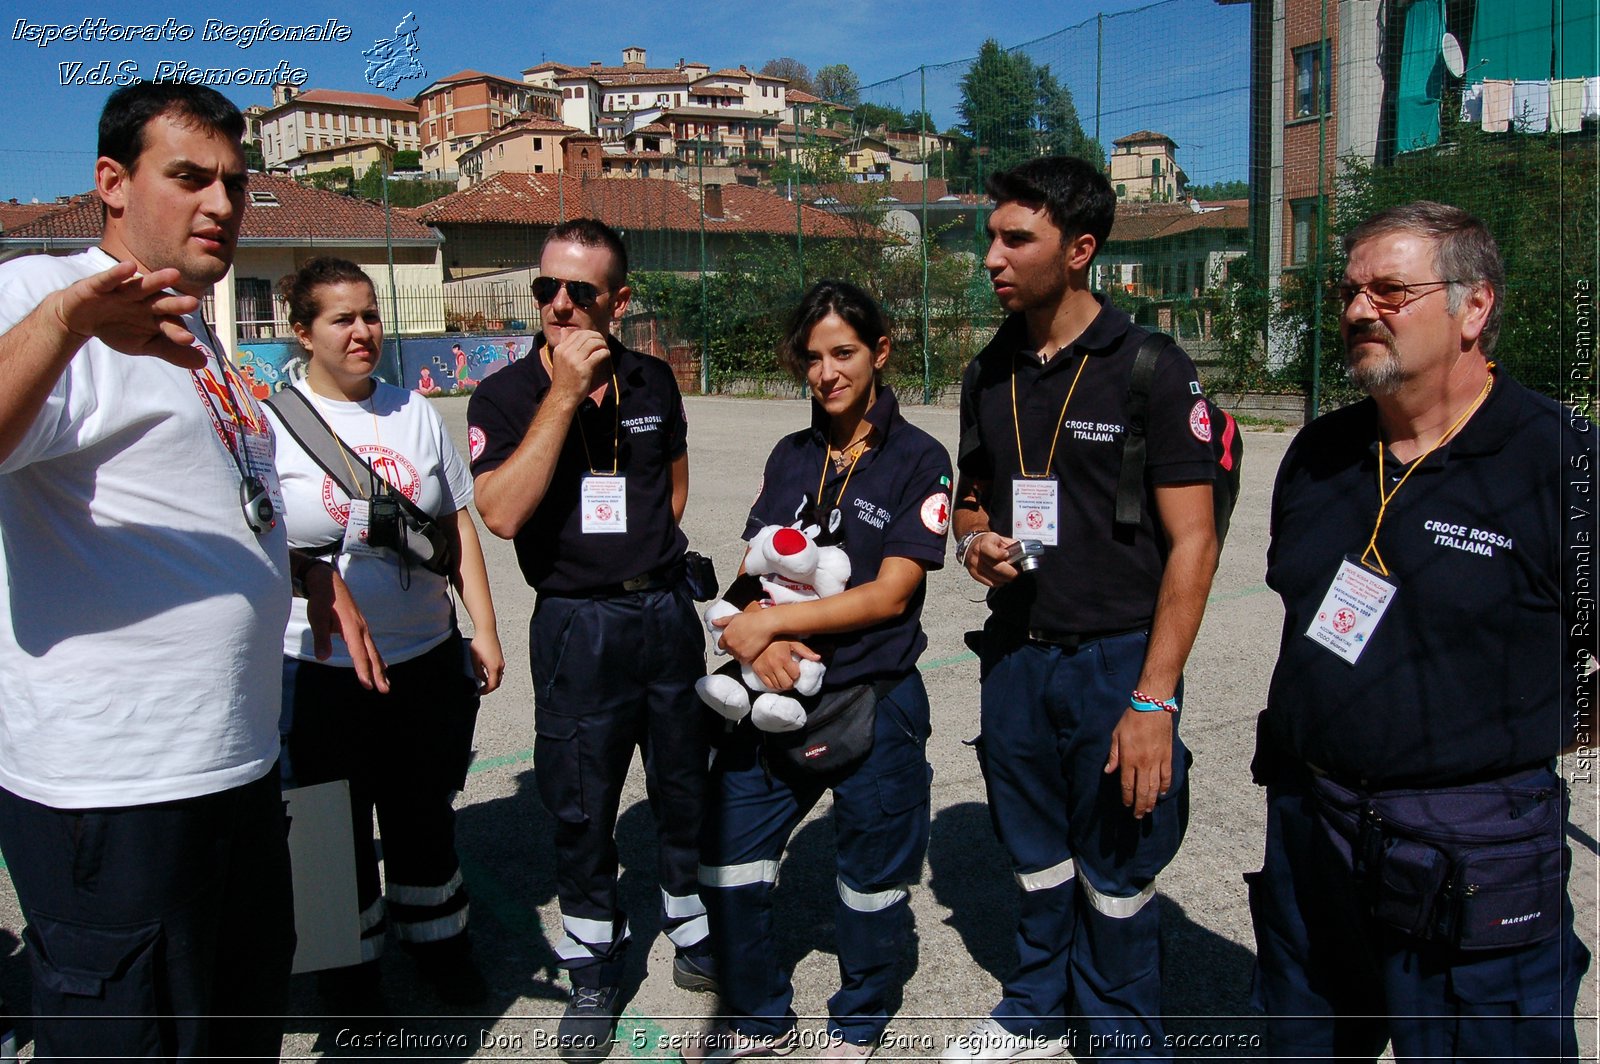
x=1088 y=936
x=610 y=675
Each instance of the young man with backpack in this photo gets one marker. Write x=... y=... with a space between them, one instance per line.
x=1083 y=653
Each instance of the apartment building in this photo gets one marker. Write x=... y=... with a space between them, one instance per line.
x=458 y=112
x=316 y=119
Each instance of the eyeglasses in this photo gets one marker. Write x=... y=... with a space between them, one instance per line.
x=582 y=293
x=1384 y=294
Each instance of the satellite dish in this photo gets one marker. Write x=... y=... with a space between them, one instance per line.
x=1454 y=61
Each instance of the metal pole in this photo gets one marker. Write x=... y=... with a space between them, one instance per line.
x=705 y=324
x=1322 y=103
x=1099 y=62
x=922 y=239
x=388 y=244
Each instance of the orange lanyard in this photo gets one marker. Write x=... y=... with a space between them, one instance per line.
x=1016 y=421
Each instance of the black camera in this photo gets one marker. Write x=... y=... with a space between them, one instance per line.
x=1025 y=555
x=383 y=521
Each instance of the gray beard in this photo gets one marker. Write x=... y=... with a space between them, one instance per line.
x=1382 y=377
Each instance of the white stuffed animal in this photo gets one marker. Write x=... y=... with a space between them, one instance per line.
x=790 y=567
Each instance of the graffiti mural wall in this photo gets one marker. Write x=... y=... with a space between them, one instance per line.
x=432 y=365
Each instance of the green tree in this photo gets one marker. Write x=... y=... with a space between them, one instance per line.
x=1013 y=110
x=837 y=83
x=407 y=160
x=798 y=73
x=870 y=116
x=1221 y=190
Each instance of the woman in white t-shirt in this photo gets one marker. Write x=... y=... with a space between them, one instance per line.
x=405 y=753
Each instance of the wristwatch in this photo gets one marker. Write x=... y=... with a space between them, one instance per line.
x=966 y=541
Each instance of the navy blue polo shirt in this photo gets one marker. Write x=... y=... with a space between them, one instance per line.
x=555 y=554
x=896 y=504
x=1102 y=578
x=1469 y=673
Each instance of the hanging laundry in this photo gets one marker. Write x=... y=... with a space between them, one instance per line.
x=1496 y=105
x=1530 y=106
x=1566 y=105
x=1472 y=103
x=1591 y=97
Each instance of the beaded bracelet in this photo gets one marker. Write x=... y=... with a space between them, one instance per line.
x=1144 y=703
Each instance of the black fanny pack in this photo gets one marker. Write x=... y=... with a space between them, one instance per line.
x=1481 y=866
x=838 y=731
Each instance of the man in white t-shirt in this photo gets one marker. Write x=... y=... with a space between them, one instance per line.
x=146 y=580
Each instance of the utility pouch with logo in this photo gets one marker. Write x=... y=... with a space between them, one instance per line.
x=838 y=732
x=1481 y=866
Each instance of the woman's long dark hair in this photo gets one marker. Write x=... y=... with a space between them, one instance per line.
x=857 y=309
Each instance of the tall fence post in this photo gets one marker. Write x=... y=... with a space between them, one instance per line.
x=1324 y=57
x=922 y=240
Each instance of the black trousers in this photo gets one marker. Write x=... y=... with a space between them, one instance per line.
x=404 y=753
x=162 y=930
x=611 y=675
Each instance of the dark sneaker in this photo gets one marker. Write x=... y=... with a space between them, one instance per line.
x=589 y=1025
x=450 y=970
x=696 y=972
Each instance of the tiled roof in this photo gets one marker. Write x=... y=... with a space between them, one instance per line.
x=801 y=96
x=631 y=204
x=468 y=75
x=787 y=130
x=730 y=113
x=347 y=146
x=729 y=73
x=727 y=92
x=868 y=192
x=339 y=98
x=552 y=65
x=1139 y=222
x=637 y=77
x=653 y=127
x=301 y=213
x=15 y=214
x=1144 y=136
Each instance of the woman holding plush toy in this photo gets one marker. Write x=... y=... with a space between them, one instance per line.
x=866 y=483
x=371 y=477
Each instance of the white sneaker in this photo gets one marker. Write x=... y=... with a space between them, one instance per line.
x=723 y=1043
x=838 y=1051
x=988 y=1041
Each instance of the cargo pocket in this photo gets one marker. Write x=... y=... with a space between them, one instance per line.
x=106 y=973
x=558 y=766
x=1509 y=896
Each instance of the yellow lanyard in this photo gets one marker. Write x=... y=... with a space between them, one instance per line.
x=1385 y=498
x=826 y=462
x=616 y=429
x=1016 y=421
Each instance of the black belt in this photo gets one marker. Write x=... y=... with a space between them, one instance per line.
x=669 y=575
x=1074 y=640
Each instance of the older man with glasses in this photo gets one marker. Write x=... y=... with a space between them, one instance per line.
x=1426 y=543
x=580 y=457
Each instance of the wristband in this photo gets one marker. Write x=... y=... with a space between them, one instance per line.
x=966 y=541
x=1144 y=703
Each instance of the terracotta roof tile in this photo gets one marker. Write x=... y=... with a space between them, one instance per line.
x=870 y=192
x=1144 y=136
x=801 y=96
x=340 y=98
x=14 y=214
x=625 y=203
x=1140 y=222
x=301 y=212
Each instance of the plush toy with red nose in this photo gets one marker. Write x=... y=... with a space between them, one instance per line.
x=786 y=563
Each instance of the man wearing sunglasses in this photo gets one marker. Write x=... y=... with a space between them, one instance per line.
x=579 y=456
x=1425 y=542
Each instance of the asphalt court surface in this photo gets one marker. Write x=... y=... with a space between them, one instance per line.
x=964 y=907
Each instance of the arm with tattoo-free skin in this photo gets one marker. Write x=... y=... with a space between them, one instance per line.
x=509 y=495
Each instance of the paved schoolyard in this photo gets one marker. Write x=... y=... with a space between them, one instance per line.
x=964 y=906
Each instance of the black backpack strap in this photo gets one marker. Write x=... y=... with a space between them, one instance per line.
x=1130 y=483
x=315 y=438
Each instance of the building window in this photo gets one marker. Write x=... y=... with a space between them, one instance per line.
x=538 y=144
x=538 y=168
x=1313 y=84
x=1303 y=215
x=1155 y=168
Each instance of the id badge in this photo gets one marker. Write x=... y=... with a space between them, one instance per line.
x=1036 y=509
x=356 y=529
x=605 y=504
x=258 y=459
x=1351 y=610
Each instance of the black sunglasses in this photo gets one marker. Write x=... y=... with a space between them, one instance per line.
x=582 y=293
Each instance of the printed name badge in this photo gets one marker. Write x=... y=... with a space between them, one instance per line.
x=258 y=459
x=357 y=527
x=1036 y=509
x=1351 y=609
x=605 y=504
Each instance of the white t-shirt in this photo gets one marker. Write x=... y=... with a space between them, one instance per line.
x=401 y=436
x=139 y=625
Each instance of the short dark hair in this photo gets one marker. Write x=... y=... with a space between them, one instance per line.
x=593 y=233
x=132 y=107
x=1073 y=192
x=1464 y=251
x=853 y=305
x=299 y=289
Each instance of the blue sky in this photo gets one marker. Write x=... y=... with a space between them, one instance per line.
x=1190 y=50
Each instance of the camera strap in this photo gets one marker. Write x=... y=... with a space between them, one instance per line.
x=316 y=437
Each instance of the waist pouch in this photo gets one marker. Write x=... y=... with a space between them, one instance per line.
x=838 y=731
x=1475 y=868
